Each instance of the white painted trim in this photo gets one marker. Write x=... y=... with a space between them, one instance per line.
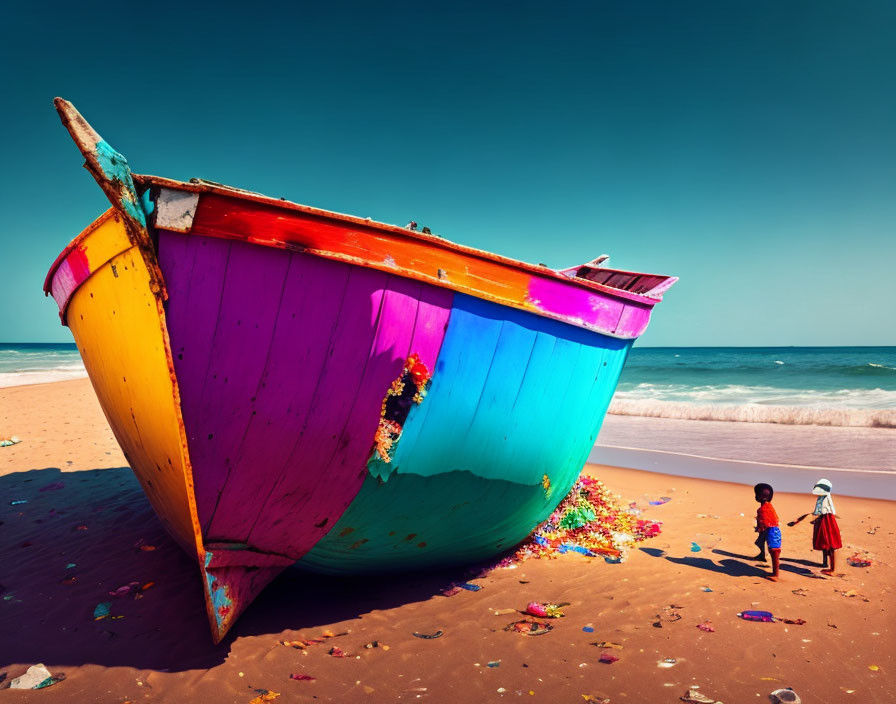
x=175 y=209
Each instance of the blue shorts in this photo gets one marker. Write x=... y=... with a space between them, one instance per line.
x=773 y=537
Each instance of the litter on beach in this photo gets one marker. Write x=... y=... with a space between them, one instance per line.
x=608 y=644
x=36 y=677
x=545 y=610
x=529 y=627
x=7 y=442
x=693 y=696
x=589 y=521
x=760 y=616
x=858 y=560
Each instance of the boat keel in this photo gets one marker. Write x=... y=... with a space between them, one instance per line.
x=232 y=578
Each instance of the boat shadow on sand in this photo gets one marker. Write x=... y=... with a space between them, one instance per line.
x=71 y=538
x=734 y=564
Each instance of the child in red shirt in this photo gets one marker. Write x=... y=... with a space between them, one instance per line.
x=768 y=529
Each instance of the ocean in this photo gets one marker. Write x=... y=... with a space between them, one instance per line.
x=39 y=363
x=833 y=386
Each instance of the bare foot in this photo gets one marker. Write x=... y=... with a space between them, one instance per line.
x=827 y=572
x=772 y=578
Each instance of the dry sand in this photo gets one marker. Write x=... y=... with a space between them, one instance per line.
x=160 y=650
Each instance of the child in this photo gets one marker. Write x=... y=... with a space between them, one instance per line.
x=826 y=534
x=768 y=529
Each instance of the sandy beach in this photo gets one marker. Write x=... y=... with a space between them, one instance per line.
x=85 y=529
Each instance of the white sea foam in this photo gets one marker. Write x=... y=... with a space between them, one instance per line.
x=41 y=376
x=737 y=394
x=758 y=413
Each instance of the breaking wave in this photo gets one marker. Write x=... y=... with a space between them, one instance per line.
x=757 y=413
x=41 y=376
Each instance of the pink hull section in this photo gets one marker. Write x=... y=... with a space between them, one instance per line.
x=283 y=361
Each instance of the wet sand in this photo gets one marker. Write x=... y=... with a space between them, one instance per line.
x=766 y=443
x=84 y=508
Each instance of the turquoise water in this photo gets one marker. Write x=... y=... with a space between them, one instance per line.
x=39 y=363
x=851 y=386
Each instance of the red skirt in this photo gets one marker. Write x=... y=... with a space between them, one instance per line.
x=826 y=534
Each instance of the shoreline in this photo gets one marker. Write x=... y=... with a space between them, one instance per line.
x=795 y=479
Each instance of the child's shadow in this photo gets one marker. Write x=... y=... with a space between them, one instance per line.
x=808 y=563
x=784 y=568
x=731 y=567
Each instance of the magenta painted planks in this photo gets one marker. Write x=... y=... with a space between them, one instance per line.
x=344 y=456
x=586 y=308
x=332 y=398
x=433 y=310
x=330 y=467
x=306 y=323
x=248 y=301
x=194 y=269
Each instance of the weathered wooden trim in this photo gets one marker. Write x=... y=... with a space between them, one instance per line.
x=578 y=302
x=366 y=225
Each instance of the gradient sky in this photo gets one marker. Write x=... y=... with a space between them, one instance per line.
x=747 y=147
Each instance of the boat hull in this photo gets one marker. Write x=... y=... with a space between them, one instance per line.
x=292 y=385
x=249 y=402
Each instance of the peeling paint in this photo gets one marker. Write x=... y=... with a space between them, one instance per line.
x=407 y=390
x=220 y=602
x=175 y=210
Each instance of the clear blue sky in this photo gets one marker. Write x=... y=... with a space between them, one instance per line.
x=747 y=147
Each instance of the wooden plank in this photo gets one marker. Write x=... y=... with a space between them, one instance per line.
x=250 y=299
x=333 y=396
x=343 y=461
x=303 y=342
x=195 y=268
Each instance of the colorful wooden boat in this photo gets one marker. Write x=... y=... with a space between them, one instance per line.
x=292 y=385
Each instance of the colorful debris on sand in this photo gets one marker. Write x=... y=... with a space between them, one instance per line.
x=589 y=521
x=545 y=610
x=858 y=560
x=529 y=627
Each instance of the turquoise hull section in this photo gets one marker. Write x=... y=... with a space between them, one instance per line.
x=514 y=407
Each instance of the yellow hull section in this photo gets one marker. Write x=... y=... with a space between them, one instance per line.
x=120 y=329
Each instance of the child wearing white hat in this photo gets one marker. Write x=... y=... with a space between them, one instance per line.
x=826 y=533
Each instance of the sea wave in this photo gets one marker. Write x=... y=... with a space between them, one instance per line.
x=742 y=394
x=777 y=367
x=757 y=413
x=42 y=376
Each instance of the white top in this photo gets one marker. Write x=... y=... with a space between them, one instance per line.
x=824 y=504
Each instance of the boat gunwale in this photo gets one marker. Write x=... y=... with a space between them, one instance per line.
x=71 y=246
x=200 y=187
